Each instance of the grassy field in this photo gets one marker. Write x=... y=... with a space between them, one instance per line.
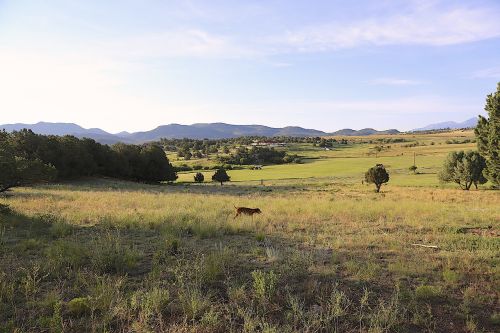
x=326 y=255
x=349 y=163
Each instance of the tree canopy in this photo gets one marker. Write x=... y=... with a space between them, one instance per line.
x=24 y=153
x=463 y=168
x=221 y=176
x=17 y=171
x=488 y=137
x=377 y=175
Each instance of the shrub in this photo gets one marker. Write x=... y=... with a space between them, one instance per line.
x=78 y=307
x=199 y=177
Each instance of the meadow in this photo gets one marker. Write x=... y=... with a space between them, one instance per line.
x=326 y=255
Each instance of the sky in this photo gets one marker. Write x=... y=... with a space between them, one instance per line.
x=325 y=64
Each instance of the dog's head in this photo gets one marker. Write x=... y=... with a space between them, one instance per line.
x=258 y=211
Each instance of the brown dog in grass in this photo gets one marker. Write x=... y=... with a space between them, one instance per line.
x=246 y=211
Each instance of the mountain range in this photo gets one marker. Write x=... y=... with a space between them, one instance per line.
x=194 y=131
x=469 y=123
x=207 y=130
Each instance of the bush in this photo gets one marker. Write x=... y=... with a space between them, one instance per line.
x=199 y=177
x=78 y=307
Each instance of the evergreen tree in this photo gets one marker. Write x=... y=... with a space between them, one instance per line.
x=199 y=178
x=377 y=175
x=221 y=176
x=488 y=137
x=463 y=168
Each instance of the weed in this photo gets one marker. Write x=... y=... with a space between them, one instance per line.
x=194 y=303
x=31 y=279
x=150 y=303
x=264 y=285
x=110 y=255
x=30 y=245
x=60 y=229
x=427 y=293
x=451 y=277
x=62 y=255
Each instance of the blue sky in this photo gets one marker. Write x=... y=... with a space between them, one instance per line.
x=133 y=65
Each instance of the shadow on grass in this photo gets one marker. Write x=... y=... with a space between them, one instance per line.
x=110 y=185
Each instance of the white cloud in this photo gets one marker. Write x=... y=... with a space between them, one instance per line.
x=178 y=43
x=394 y=82
x=428 y=25
x=487 y=73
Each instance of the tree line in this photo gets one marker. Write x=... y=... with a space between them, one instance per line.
x=26 y=157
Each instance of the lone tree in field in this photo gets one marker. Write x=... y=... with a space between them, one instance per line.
x=199 y=178
x=19 y=171
x=377 y=175
x=413 y=169
x=488 y=137
x=463 y=168
x=221 y=176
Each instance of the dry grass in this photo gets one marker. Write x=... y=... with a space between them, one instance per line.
x=117 y=256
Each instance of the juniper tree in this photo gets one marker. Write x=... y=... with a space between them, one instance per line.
x=377 y=175
x=199 y=178
x=463 y=168
x=221 y=176
x=488 y=137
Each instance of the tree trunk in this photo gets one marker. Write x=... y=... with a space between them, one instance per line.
x=378 y=187
x=221 y=184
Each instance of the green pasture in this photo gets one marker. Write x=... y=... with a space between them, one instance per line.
x=349 y=163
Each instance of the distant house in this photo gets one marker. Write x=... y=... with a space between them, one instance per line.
x=268 y=144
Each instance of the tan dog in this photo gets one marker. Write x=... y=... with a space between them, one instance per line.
x=246 y=211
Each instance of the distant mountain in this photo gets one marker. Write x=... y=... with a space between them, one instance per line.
x=363 y=132
x=194 y=131
x=469 y=123
x=47 y=128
